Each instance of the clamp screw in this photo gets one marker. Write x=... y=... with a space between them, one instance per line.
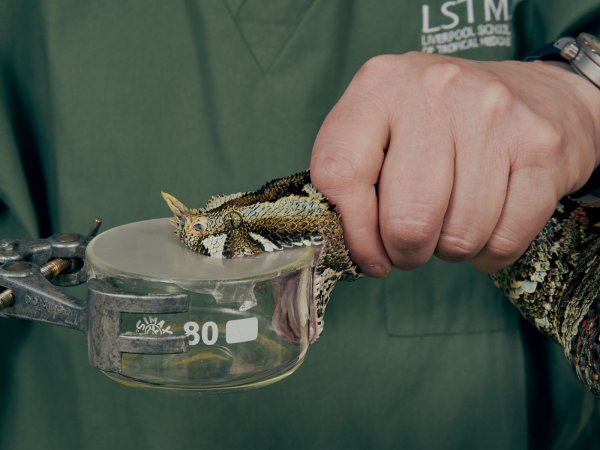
x=6 y=299
x=7 y=247
x=51 y=269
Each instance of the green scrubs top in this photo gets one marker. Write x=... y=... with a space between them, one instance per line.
x=105 y=104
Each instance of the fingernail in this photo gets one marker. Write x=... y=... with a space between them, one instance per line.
x=377 y=270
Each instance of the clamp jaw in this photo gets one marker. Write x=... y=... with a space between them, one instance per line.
x=26 y=266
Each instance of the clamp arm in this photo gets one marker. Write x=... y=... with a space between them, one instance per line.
x=25 y=269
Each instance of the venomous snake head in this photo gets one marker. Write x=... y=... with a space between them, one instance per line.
x=218 y=231
x=286 y=212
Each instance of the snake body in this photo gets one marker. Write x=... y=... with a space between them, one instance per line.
x=555 y=284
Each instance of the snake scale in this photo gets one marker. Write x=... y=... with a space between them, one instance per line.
x=555 y=283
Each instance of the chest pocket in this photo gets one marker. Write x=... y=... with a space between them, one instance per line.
x=442 y=298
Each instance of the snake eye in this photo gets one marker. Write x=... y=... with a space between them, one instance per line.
x=198 y=224
x=233 y=219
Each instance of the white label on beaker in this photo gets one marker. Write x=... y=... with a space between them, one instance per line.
x=241 y=330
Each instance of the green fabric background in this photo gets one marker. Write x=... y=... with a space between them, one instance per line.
x=105 y=104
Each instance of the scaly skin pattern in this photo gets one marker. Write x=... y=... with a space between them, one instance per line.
x=283 y=213
x=555 y=284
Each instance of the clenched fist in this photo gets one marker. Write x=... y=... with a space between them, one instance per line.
x=429 y=154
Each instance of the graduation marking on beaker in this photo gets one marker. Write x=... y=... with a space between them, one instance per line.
x=236 y=331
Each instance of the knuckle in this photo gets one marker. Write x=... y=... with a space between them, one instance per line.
x=544 y=141
x=442 y=77
x=457 y=247
x=496 y=100
x=332 y=169
x=541 y=144
x=409 y=235
x=550 y=137
x=376 y=68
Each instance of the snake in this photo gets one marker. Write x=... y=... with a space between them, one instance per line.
x=555 y=284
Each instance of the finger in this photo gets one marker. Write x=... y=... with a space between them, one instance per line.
x=478 y=195
x=414 y=188
x=345 y=165
x=529 y=204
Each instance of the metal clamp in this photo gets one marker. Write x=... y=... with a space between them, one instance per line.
x=35 y=298
x=26 y=266
x=106 y=343
x=60 y=253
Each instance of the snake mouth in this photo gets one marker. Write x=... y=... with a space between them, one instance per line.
x=289 y=320
x=295 y=319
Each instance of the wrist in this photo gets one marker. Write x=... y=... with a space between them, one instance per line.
x=589 y=97
x=587 y=100
x=583 y=57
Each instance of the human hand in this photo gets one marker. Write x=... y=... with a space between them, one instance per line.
x=429 y=154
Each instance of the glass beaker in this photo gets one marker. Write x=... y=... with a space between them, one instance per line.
x=248 y=321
